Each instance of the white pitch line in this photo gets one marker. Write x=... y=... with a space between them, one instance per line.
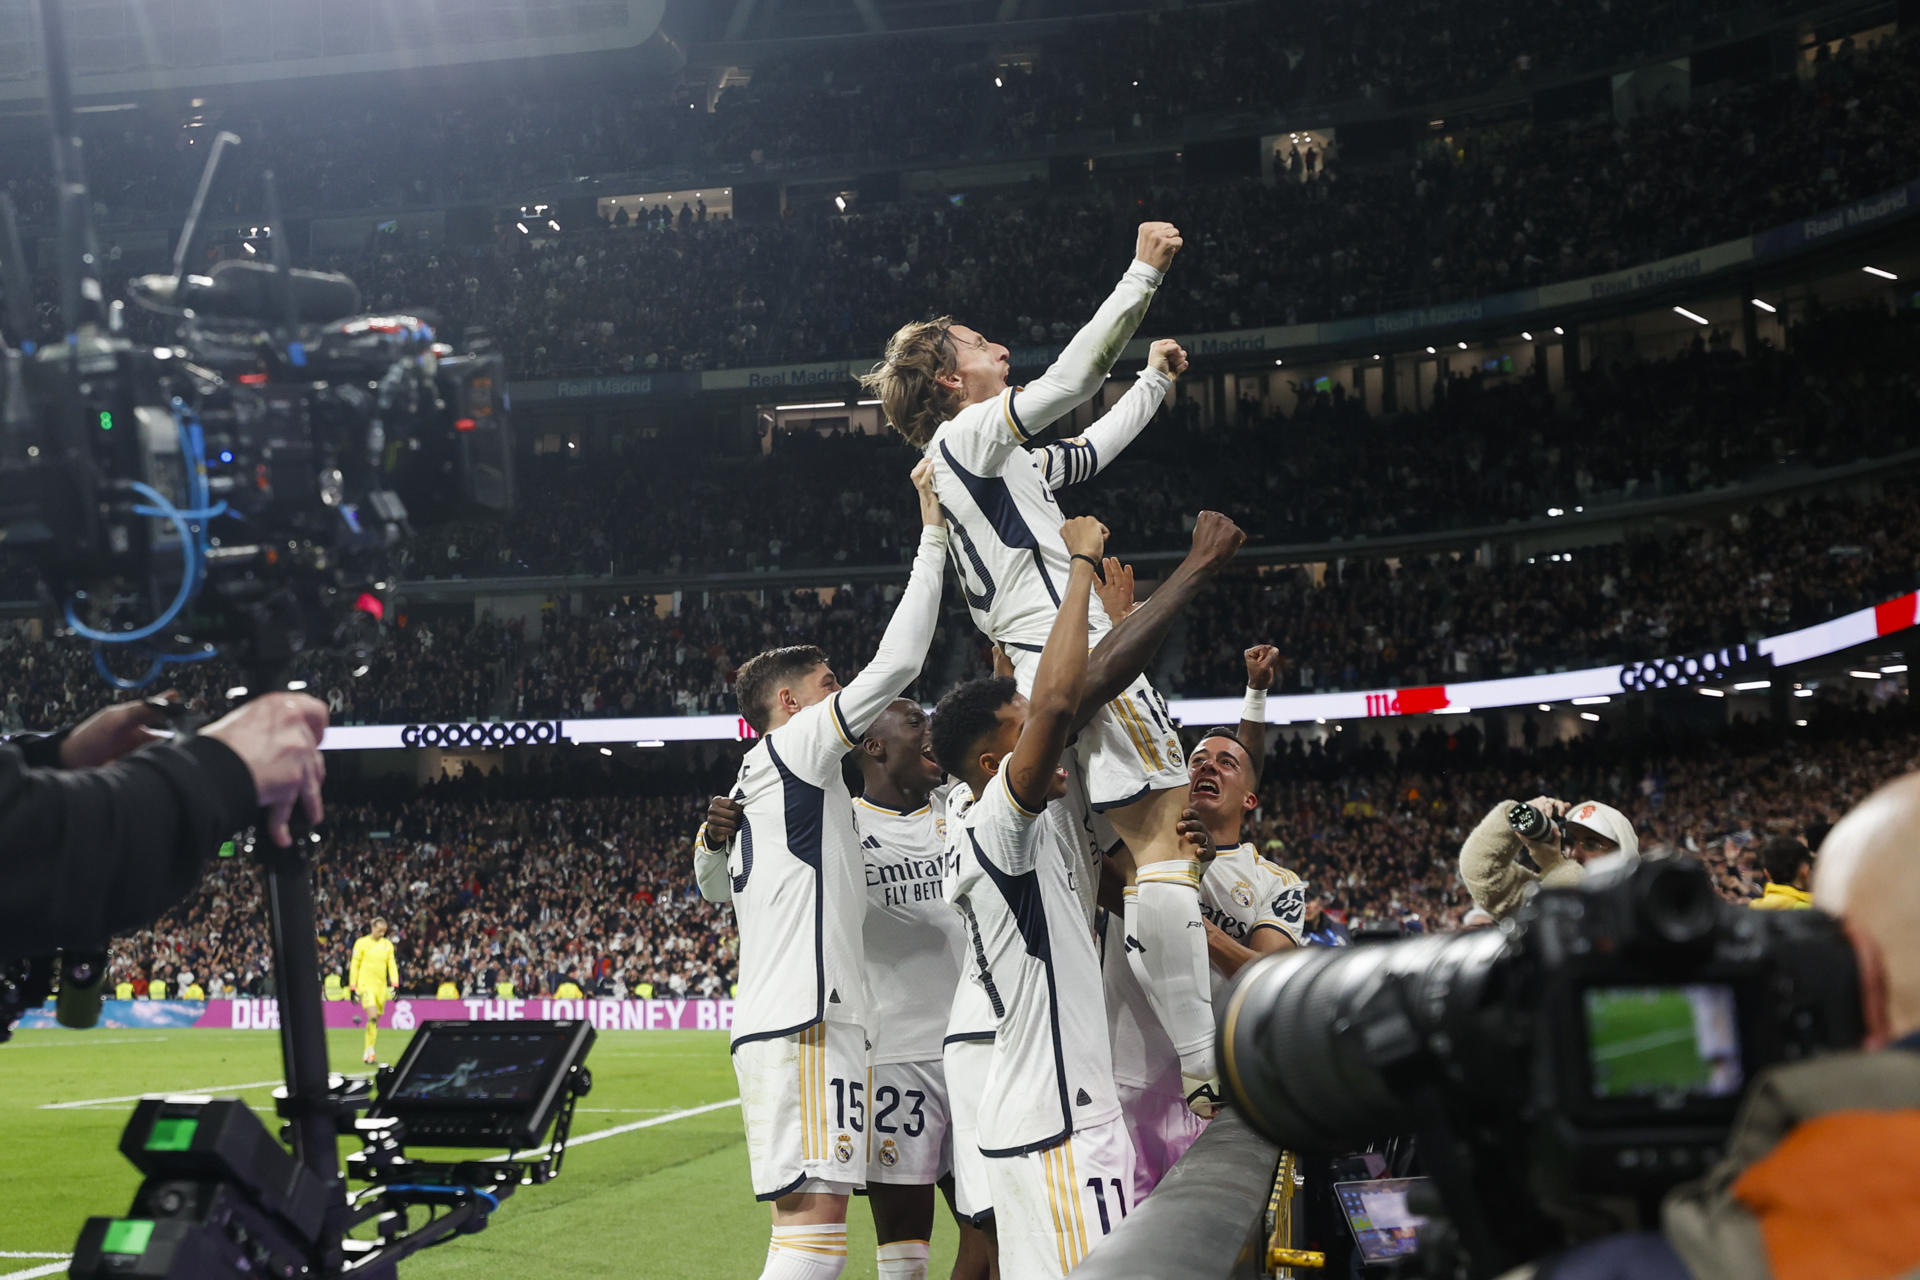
x=51 y=1269
x=135 y=1097
x=15 y=1253
x=618 y=1129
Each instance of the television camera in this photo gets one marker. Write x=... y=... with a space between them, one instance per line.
x=1560 y=1075
x=239 y=487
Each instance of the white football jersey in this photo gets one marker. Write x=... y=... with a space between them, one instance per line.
x=972 y=1016
x=797 y=878
x=1030 y=951
x=913 y=938
x=999 y=498
x=1242 y=891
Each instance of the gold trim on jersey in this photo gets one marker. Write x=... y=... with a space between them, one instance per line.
x=1011 y=798
x=865 y=803
x=833 y=714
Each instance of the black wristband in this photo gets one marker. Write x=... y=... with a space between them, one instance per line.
x=1098 y=572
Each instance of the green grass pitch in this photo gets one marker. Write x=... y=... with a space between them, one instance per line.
x=669 y=1200
x=1643 y=1043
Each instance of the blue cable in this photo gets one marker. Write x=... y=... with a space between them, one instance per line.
x=189 y=572
x=161 y=661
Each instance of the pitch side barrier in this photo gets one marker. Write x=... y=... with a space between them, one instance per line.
x=1738 y=661
x=404 y=1013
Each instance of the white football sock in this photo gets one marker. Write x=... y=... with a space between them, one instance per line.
x=1163 y=916
x=817 y=1251
x=903 y=1260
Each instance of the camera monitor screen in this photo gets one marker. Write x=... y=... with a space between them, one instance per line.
x=481 y=1066
x=484 y=1083
x=1383 y=1227
x=1663 y=1042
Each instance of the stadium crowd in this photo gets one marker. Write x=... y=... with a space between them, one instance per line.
x=1467 y=215
x=1126 y=76
x=554 y=876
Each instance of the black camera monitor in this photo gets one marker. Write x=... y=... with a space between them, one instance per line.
x=1663 y=1044
x=1383 y=1227
x=484 y=1084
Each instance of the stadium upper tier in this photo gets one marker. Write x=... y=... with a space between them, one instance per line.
x=1464 y=217
x=988 y=91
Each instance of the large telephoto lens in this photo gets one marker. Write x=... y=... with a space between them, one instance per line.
x=1321 y=1047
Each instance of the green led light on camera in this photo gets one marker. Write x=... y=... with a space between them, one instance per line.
x=129 y=1235
x=106 y=420
x=172 y=1134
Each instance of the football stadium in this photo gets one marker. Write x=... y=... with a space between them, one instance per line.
x=959 y=638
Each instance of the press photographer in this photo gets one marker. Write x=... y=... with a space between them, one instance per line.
x=1822 y=1173
x=1560 y=838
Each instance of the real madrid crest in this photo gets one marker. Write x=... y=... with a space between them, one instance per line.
x=889 y=1154
x=1243 y=893
x=843 y=1149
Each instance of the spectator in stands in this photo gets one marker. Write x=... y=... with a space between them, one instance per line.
x=1789 y=868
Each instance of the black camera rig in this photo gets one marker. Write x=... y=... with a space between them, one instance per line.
x=240 y=489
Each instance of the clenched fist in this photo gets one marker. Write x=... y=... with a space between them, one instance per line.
x=1084 y=536
x=1168 y=357
x=1157 y=243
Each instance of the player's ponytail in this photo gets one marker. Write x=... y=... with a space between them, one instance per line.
x=907 y=383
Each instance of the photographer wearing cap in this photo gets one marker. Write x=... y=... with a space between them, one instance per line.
x=1822 y=1172
x=105 y=825
x=1559 y=837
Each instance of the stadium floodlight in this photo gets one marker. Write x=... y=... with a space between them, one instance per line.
x=998 y=83
x=1463 y=346
x=1376 y=355
x=1897 y=668
x=866 y=404
x=1594 y=701
x=1525 y=336
x=1553 y=512
x=523 y=228
x=651 y=742
x=1546 y=706
x=840 y=203
x=1803 y=693
x=1588 y=715
x=1713 y=693
x=1559 y=332
x=1278 y=363
x=552 y=225
x=1431 y=351
x=1767 y=307
x=1694 y=316
x=1748 y=686
x=295 y=686
x=606 y=751
x=236 y=693
x=823 y=404
x=1801 y=723
x=361 y=670
x=1864 y=675
x=1876 y=271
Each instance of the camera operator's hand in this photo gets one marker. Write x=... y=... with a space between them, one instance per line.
x=105 y=736
x=1553 y=811
x=278 y=738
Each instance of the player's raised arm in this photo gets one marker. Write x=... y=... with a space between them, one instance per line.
x=903 y=646
x=1079 y=460
x=1263 y=660
x=1084 y=365
x=1062 y=675
x=1123 y=653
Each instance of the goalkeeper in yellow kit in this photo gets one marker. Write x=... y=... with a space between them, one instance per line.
x=372 y=977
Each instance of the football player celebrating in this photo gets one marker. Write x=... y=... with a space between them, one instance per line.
x=944 y=387
x=798 y=885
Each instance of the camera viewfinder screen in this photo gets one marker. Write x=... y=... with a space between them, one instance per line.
x=482 y=1066
x=1663 y=1042
x=1383 y=1227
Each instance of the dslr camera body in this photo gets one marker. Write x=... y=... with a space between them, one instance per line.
x=1561 y=1073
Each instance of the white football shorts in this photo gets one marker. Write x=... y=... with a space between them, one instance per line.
x=805 y=1098
x=1128 y=749
x=912 y=1139
x=1054 y=1207
x=966 y=1064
